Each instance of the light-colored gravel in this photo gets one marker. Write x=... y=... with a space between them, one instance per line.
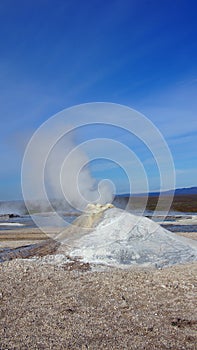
x=68 y=306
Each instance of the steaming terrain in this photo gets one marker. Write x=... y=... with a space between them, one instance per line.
x=106 y=235
x=75 y=293
x=115 y=237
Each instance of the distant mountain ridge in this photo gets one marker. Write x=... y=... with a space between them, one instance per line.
x=184 y=190
x=176 y=192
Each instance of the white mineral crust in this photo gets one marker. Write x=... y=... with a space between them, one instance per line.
x=122 y=239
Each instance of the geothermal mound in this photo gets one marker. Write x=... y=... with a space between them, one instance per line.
x=107 y=235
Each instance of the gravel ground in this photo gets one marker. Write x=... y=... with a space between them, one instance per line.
x=72 y=306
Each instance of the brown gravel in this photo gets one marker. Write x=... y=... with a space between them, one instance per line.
x=47 y=306
x=191 y=235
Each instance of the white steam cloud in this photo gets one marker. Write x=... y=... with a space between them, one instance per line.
x=66 y=175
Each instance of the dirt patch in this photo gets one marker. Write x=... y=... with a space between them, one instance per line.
x=191 y=235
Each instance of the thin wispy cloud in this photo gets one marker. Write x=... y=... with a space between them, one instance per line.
x=143 y=55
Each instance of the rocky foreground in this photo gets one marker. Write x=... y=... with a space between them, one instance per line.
x=48 y=303
x=56 y=300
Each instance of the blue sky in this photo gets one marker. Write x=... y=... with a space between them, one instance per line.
x=56 y=54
